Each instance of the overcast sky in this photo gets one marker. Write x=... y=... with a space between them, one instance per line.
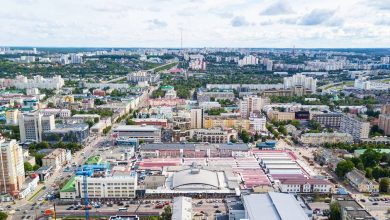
x=205 y=23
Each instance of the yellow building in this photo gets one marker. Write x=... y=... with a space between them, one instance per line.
x=69 y=98
x=281 y=116
x=226 y=122
x=11 y=116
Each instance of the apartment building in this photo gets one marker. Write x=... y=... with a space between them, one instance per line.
x=12 y=175
x=22 y=82
x=280 y=116
x=196 y=118
x=354 y=126
x=58 y=113
x=32 y=125
x=384 y=119
x=215 y=94
x=250 y=104
x=11 y=117
x=328 y=120
x=322 y=138
x=226 y=122
x=55 y=159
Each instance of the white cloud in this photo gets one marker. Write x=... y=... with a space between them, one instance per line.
x=278 y=8
x=223 y=23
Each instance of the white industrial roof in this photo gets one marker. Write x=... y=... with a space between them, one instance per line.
x=202 y=177
x=136 y=128
x=273 y=206
x=182 y=208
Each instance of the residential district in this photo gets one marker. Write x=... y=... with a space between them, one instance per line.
x=194 y=134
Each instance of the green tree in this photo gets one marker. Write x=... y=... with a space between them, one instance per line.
x=50 y=105
x=129 y=121
x=369 y=172
x=245 y=136
x=28 y=167
x=370 y=158
x=35 y=167
x=282 y=130
x=384 y=185
x=335 y=211
x=38 y=159
x=99 y=102
x=3 y=216
x=296 y=123
x=167 y=214
x=344 y=167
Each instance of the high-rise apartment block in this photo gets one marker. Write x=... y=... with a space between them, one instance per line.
x=354 y=126
x=384 y=119
x=11 y=167
x=250 y=104
x=248 y=60
x=300 y=80
x=196 y=118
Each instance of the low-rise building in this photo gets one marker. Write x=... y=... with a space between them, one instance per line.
x=316 y=139
x=213 y=135
x=197 y=150
x=273 y=206
x=145 y=133
x=56 y=159
x=29 y=186
x=303 y=185
x=226 y=122
x=68 y=191
x=119 y=185
x=160 y=122
x=358 y=180
x=67 y=133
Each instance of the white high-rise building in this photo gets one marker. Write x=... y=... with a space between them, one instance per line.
x=32 y=126
x=385 y=60
x=196 y=118
x=22 y=82
x=300 y=80
x=248 y=60
x=76 y=58
x=250 y=104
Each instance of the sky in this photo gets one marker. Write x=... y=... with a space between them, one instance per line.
x=203 y=23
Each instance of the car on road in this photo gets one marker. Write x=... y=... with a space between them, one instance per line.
x=374 y=203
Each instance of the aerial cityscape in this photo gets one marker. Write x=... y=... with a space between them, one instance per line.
x=194 y=110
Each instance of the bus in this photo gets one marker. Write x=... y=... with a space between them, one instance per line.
x=122 y=210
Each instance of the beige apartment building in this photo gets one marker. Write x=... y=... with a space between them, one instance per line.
x=11 y=167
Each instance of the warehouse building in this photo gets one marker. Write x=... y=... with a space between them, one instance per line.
x=273 y=206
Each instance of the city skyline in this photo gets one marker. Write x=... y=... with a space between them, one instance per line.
x=228 y=23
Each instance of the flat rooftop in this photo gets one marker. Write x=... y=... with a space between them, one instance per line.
x=273 y=206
